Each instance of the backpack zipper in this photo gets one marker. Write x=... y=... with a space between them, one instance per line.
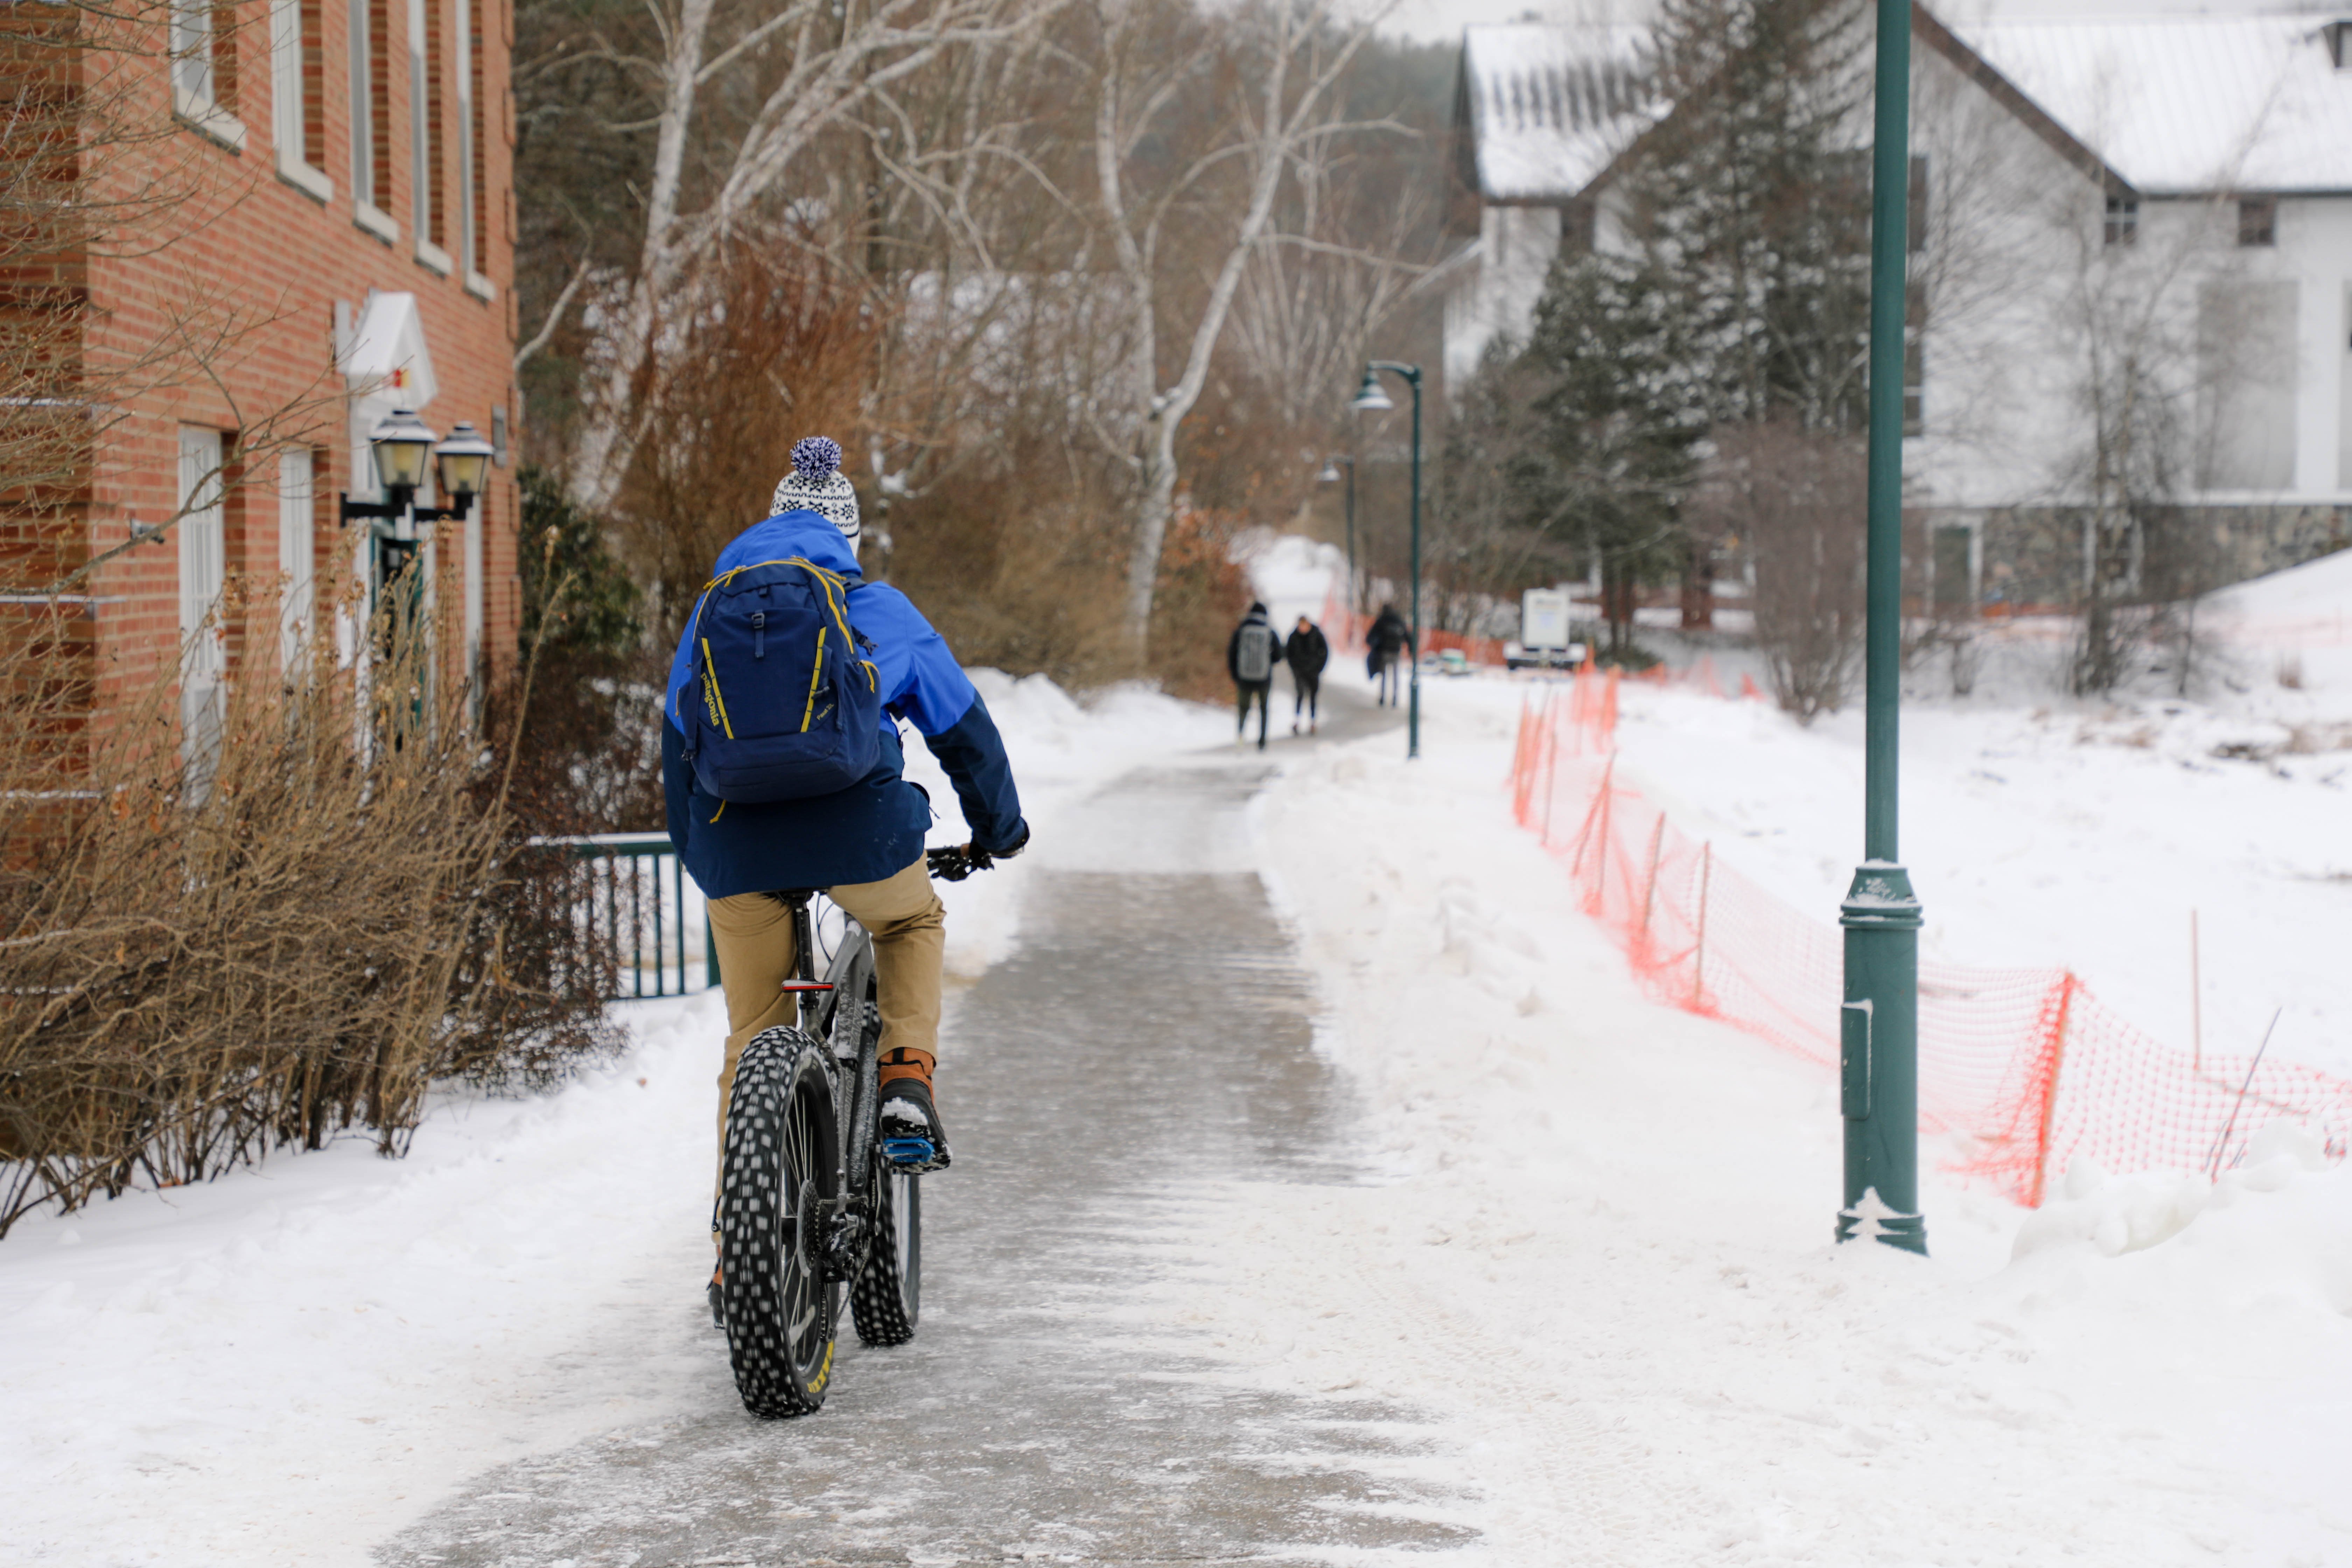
x=815 y=675
x=759 y=634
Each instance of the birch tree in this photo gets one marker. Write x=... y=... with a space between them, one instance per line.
x=771 y=83
x=1277 y=105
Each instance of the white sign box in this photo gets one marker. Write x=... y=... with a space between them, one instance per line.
x=1543 y=618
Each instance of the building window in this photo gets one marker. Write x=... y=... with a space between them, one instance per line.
x=1914 y=360
x=297 y=560
x=2123 y=220
x=371 y=118
x=432 y=144
x=2258 y=221
x=1579 y=222
x=296 y=115
x=473 y=150
x=202 y=572
x=204 y=68
x=1916 y=205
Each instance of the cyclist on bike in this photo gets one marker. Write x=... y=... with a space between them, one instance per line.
x=863 y=845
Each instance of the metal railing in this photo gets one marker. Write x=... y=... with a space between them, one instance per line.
x=634 y=892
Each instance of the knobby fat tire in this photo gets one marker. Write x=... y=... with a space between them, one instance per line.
x=888 y=1299
x=781 y=1151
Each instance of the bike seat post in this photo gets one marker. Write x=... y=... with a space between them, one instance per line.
x=803 y=950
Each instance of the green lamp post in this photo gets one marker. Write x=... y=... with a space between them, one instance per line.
x=1879 y=1024
x=1371 y=399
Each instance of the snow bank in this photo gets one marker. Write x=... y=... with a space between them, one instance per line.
x=1294 y=576
x=297 y=1360
x=1600 y=1243
x=2044 y=837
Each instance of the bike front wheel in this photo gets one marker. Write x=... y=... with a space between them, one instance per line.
x=889 y=1296
x=782 y=1165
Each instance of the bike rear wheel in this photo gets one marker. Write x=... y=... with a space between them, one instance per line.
x=781 y=1168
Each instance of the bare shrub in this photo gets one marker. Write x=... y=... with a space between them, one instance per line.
x=2290 y=671
x=785 y=347
x=291 y=928
x=1799 y=498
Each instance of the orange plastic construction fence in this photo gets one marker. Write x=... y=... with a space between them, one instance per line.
x=2025 y=1067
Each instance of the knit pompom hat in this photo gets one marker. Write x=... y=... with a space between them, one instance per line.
x=816 y=485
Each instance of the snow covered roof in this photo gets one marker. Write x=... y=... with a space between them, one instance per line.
x=2178 y=104
x=1549 y=107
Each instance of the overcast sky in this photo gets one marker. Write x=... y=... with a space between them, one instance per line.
x=1443 y=20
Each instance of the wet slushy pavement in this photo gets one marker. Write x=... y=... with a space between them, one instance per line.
x=1151 y=1034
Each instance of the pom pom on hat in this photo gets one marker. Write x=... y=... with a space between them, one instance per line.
x=816 y=484
x=816 y=457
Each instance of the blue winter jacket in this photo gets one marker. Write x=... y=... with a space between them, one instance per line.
x=874 y=829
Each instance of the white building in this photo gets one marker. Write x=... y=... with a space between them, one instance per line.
x=2178 y=189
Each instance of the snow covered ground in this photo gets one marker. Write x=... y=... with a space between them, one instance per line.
x=2044 y=831
x=1604 y=1248
x=294 y=1361
x=1594 y=1251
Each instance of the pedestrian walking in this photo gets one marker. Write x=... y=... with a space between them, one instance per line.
x=1307 y=651
x=1387 y=637
x=1250 y=656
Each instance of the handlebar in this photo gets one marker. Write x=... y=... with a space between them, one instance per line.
x=957 y=861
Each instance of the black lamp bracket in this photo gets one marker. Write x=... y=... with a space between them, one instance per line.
x=401 y=503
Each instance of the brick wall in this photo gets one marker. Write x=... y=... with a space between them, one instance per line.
x=251 y=266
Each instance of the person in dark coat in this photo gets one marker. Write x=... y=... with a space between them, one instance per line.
x=1307 y=651
x=1251 y=654
x=1387 y=637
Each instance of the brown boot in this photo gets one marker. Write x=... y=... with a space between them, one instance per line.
x=914 y=1139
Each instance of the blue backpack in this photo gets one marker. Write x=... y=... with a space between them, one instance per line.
x=780 y=703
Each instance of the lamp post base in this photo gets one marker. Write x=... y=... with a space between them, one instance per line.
x=1878 y=1058
x=1875 y=1220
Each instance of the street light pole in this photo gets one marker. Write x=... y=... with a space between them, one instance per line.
x=1879 y=1026
x=1332 y=475
x=1371 y=397
x=1354 y=590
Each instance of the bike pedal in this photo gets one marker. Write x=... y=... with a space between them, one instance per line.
x=908 y=1151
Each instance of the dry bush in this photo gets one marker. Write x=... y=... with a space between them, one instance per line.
x=1799 y=498
x=1203 y=592
x=294 y=933
x=784 y=347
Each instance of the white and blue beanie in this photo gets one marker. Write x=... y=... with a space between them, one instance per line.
x=816 y=485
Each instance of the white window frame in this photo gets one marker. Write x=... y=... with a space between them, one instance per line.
x=297 y=560
x=366 y=212
x=286 y=102
x=195 y=42
x=422 y=171
x=203 y=572
x=472 y=220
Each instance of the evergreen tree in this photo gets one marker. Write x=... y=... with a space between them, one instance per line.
x=1753 y=195
x=1621 y=403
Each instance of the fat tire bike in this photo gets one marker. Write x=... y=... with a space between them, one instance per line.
x=813 y=1212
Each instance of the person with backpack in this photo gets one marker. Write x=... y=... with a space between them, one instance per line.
x=1387 y=637
x=1250 y=658
x=781 y=769
x=1307 y=651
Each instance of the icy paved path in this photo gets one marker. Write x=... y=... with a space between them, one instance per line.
x=1151 y=1036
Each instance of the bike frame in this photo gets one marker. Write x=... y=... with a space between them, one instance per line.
x=826 y=1007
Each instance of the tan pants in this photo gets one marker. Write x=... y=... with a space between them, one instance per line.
x=753 y=935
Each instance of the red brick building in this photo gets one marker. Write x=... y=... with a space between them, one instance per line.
x=335 y=238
